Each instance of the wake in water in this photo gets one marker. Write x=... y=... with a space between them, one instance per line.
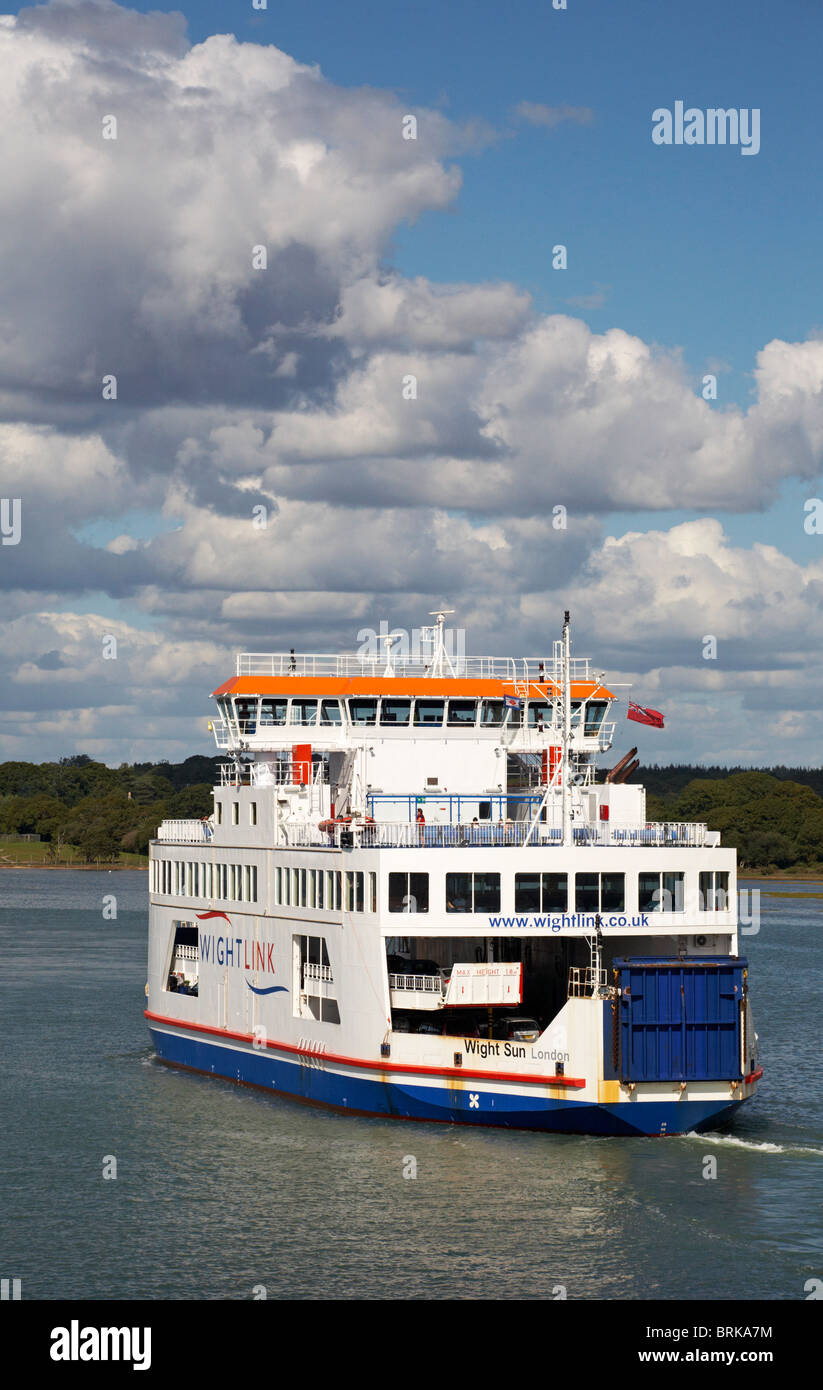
x=763 y=1147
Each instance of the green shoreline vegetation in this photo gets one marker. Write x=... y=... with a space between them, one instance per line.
x=88 y=814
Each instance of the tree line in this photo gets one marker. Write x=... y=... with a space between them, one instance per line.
x=773 y=818
x=98 y=810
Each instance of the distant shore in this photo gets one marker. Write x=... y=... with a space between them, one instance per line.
x=84 y=868
x=783 y=876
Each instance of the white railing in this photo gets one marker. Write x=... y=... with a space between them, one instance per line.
x=409 y=834
x=586 y=981
x=190 y=832
x=277 y=774
x=226 y=735
x=318 y=972
x=420 y=984
x=505 y=668
x=185 y=953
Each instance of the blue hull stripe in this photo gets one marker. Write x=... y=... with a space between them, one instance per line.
x=307 y=1081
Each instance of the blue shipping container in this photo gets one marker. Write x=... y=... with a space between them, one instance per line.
x=680 y=1020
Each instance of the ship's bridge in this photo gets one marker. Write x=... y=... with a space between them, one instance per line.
x=338 y=701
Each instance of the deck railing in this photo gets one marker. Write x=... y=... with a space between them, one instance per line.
x=312 y=971
x=505 y=668
x=275 y=774
x=420 y=984
x=410 y=835
x=187 y=832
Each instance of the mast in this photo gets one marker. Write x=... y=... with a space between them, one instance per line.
x=441 y=661
x=565 y=770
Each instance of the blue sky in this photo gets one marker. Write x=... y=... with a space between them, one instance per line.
x=681 y=261
x=650 y=223
x=694 y=249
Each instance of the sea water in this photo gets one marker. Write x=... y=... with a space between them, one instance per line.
x=222 y=1192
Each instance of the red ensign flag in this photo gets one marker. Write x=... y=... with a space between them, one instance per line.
x=641 y=715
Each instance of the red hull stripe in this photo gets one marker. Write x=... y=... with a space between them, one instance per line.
x=373 y=1066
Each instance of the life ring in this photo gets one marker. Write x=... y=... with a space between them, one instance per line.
x=328 y=826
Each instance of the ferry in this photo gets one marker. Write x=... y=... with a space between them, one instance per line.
x=417 y=897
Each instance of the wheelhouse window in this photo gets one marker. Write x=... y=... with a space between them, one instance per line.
x=462 y=713
x=594 y=716
x=660 y=892
x=246 y=715
x=540 y=714
x=330 y=712
x=395 y=711
x=491 y=713
x=541 y=892
x=273 y=711
x=303 y=712
x=472 y=892
x=363 y=711
x=428 y=712
x=408 y=892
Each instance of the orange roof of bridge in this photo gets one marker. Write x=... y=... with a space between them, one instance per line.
x=331 y=686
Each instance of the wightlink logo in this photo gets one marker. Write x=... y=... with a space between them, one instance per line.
x=238 y=953
x=714 y=126
x=76 y=1343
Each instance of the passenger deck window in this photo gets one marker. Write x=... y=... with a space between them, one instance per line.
x=354 y=901
x=429 y=712
x=587 y=892
x=714 y=891
x=599 y=892
x=395 y=711
x=472 y=892
x=541 y=892
x=660 y=892
x=612 y=893
x=408 y=892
